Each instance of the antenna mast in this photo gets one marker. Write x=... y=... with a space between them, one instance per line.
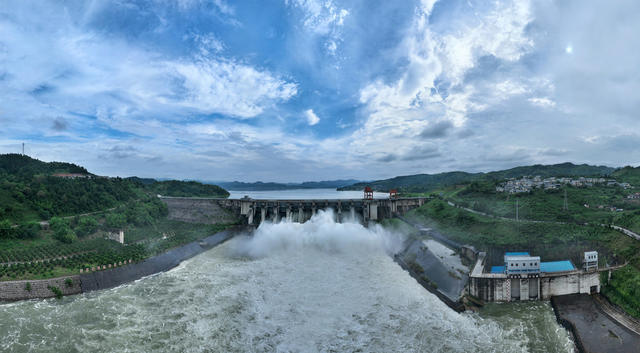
x=23 y=148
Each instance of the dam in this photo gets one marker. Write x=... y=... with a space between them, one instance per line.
x=318 y=286
x=256 y=211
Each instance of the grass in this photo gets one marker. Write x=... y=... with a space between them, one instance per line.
x=624 y=290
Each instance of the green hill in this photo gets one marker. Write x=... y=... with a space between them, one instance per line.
x=628 y=174
x=21 y=167
x=428 y=182
x=31 y=191
x=553 y=170
x=417 y=183
x=186 y=188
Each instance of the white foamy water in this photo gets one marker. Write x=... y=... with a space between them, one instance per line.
x=313 y=287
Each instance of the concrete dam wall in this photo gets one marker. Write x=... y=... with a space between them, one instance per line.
x=212 y=210
x=195 y=210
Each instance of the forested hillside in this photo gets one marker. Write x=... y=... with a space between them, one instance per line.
x=628 y=174
x=186 y=188
x=428 y=182
x=30 y=191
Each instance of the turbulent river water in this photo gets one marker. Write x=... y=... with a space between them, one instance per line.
x=317 y=286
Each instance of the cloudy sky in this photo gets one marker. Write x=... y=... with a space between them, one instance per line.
x=293 y=90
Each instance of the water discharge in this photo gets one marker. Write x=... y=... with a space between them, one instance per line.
x=317 y=286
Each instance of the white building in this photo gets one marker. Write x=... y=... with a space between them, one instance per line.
x=590 y=261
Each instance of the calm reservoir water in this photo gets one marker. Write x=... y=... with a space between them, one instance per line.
x=304 y=194
x=318 y=286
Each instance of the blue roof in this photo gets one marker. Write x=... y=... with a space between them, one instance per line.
x=497 y=269
x=556 y=266
x=516 y=254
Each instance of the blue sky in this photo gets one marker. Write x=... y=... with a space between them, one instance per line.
x=296 y=90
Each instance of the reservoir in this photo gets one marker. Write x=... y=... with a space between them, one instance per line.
x=303 y=194
x=320 y=286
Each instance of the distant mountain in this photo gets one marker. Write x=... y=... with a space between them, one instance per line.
x=427 y=182
x=418 y=182
x=260 y=186
x=556 y=170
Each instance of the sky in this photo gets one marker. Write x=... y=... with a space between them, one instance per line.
x=304 y=90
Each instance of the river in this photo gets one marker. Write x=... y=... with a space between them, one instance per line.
x=318 y=286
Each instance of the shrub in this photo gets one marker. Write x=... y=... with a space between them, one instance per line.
x=27 y=286
x=28 y=230
x=6 y=230
x=116 y=220
x=86 y=226
x=68 y=282
x=56 y=291
x=66 y=236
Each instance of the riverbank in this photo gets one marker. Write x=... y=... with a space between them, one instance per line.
x=40 y=289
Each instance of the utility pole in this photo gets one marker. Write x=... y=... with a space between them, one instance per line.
x=517 y=210
x=565 y=207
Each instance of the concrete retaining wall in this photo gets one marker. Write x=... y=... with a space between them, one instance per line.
x=569 y=284
x=198 y=211
x=15 y=290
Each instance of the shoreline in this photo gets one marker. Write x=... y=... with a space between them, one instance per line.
x=12 y=291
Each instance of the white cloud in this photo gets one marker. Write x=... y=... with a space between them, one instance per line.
x=543 y=102
x=312 y=118
x=84 y=71
x=323 y=18
x=212 y=86
x=433 y=87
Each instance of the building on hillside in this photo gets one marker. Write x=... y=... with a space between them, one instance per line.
x=521 y=263
x=525 y=277
x=590 y=261
x=71 y=175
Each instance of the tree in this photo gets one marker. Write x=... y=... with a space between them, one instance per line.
x=6 y=230
x=28 y=230
x=61 y=230
x=86 y=226
x=67 y=236
x=116 y=220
